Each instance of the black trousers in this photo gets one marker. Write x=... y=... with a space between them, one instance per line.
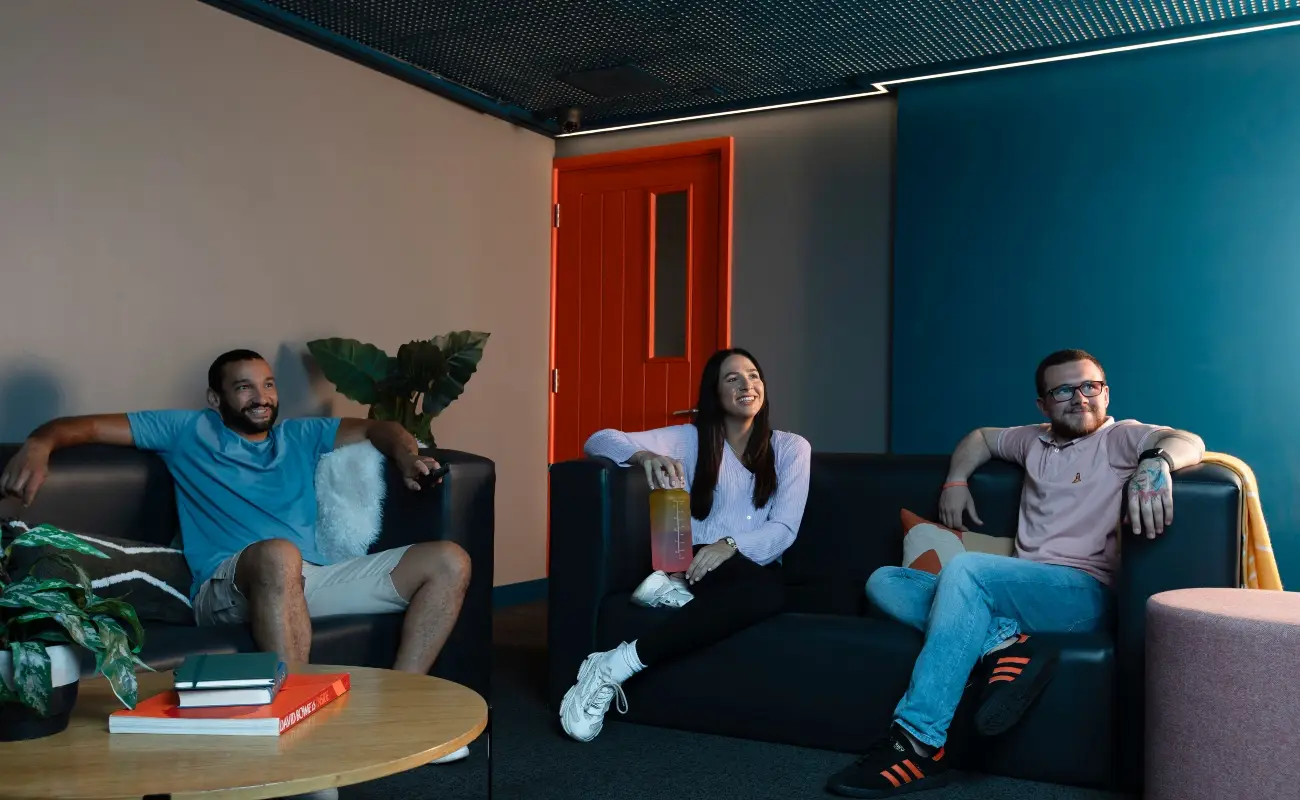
x=737 y=594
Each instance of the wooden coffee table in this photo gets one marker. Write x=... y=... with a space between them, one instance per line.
x=388 y=722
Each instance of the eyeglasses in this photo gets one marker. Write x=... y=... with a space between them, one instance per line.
x=1066 y=391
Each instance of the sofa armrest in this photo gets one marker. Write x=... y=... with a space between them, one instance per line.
x=462 y=510
x=600 y=545
x=1201 y=548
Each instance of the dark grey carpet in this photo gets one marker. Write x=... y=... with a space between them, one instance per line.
x=535 y=760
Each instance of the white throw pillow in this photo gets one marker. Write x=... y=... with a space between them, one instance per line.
x=350 y=491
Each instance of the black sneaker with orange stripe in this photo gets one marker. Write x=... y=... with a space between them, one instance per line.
x=890 y=766
x=1017 y=674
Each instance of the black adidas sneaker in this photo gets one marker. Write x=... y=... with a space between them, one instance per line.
x=890 y=767
x=1017 y=674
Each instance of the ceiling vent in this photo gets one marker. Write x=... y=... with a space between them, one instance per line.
x=621 y=81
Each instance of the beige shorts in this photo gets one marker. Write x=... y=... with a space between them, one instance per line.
x=357 y=586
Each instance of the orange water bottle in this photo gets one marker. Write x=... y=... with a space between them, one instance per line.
x=670 y=530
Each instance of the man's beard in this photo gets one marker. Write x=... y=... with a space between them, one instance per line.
x=1075 y=429
x=239 y=421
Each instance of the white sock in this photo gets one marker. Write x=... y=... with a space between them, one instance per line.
x=623 y=661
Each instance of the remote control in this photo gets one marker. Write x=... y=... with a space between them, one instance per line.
x=428 y=480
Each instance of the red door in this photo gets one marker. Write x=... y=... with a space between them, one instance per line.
x=641 y=293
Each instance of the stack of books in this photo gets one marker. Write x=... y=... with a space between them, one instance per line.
x=244 y=694
x=229 y=679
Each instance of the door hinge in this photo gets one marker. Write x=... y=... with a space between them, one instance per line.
x=557 y=215
x=555 y=381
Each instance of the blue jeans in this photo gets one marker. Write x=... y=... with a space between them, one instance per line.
x=976 y=602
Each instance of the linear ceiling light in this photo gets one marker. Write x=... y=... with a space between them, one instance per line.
x=881 y=87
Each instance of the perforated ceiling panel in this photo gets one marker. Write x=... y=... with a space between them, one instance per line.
x=723 y=53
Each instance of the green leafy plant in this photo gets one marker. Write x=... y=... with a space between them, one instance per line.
x=39 y=612
x=410 y=388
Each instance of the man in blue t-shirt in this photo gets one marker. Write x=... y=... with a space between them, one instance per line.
x=245 y=492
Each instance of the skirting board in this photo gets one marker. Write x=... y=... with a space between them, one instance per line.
x=513 y=594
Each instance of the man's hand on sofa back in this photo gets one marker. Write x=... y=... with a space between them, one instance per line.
x=955 y=501
x=26 y=471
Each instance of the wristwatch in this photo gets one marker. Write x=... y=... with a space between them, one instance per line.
x=1157 y=453
x=731 y=542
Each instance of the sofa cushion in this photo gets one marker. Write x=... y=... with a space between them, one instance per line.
x=153 y=578
x=929 y=546
x=832 y=682
x=776 y=680
x=846 y=597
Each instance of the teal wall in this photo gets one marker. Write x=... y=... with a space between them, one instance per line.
x=1142 y=206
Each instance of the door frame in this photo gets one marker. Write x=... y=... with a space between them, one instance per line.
x=724 y=147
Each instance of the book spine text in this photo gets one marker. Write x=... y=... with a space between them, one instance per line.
x=313 y=705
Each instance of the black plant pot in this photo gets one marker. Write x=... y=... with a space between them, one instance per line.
x=18 y=722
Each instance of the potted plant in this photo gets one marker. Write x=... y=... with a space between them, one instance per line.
x=410 y=388
x=41 y=619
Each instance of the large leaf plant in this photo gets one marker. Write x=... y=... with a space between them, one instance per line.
x=410 y=388
x=40 y=612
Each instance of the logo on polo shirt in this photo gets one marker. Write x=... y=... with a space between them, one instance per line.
x=1077 y=478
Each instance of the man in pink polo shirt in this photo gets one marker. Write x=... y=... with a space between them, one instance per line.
x=984 y=607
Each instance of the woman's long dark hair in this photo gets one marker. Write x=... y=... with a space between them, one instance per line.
x=758 y=459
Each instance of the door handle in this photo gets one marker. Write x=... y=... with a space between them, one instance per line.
x=685 y=412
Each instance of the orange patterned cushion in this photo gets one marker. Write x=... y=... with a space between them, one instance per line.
x=928 y=546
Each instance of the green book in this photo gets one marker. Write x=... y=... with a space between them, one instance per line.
x=229 y=671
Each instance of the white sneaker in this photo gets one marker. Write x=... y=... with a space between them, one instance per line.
x=660 y=591
x=455 y=755
x=583 y=709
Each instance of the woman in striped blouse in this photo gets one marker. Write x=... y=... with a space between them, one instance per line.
x=748 y=486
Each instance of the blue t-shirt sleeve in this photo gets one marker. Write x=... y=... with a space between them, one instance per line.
x=315 y=434
x=160 y=431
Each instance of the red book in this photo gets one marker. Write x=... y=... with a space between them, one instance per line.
x=301 y=696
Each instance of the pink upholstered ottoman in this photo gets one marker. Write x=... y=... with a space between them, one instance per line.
x=1223 y=695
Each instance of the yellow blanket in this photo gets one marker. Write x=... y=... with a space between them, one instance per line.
x=1258 y=567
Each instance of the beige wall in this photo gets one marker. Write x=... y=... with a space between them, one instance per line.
x=812 y=257
x=175 y=181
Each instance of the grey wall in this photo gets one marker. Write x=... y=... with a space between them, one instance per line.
x=175 y=181
x=811 y=260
